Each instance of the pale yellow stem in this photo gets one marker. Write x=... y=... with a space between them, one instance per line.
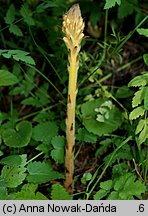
x=70 y=125
x=73 y=26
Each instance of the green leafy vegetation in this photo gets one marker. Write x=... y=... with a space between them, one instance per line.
x=111 y=123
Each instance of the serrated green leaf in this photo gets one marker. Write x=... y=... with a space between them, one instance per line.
x=133 y=187
x=138 y=81
x=26 y=14
x=44 y=116
x=138 y=97
x=122 y=13
x=143 y=31
x=114 y=195
x=137 y=112
x=41 y=173
x=57 y=153
x=40 y=99
x=106 y=185
x=15 y=175
x=58 y=192
x=119 y=184
x=123 y=153
x=99 y=128
x=14 y=160
x=15 y=30
x=18 y=55
x=3 y=189
x=19 y=137
x=31 y=101
x=111 y=3
x=103 y=146
x=127 y=187
x=140 y=126
x=146 y=98
x=84 y=136
x=45 y=5
x=44 y=148
x=28 y=192
x=145 y=57
x=143 y=135
x=7 y=78
x=22 y=56
x=10 y=15
x=100 y=194
x=119 y=169
x=45 y=131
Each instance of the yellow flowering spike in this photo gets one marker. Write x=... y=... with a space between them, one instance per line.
x=72 y=28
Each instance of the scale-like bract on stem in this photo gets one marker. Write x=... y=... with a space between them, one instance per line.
x=73 y=26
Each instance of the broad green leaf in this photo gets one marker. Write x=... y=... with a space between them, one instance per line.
x=137 y=112
x=84 y=136
x=41 y=172
x=12 y=160
x=10 y=15
x=28 y=192
x=58 y=192
x=111 y=3
x=140 y=126
x=26 y=14
x=146 y=98
x=19 y=137
x=87 y=176
x=45 y=131
x=143 y=32
x=15 y=30
x=7 y=78
x=145 y=57
x=138 y=97
x=57 y=153
x=123 y=92
x=44 y=116
x=89 y=116
x=14 y=175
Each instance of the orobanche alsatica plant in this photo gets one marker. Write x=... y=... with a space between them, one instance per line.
x=73 y=26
